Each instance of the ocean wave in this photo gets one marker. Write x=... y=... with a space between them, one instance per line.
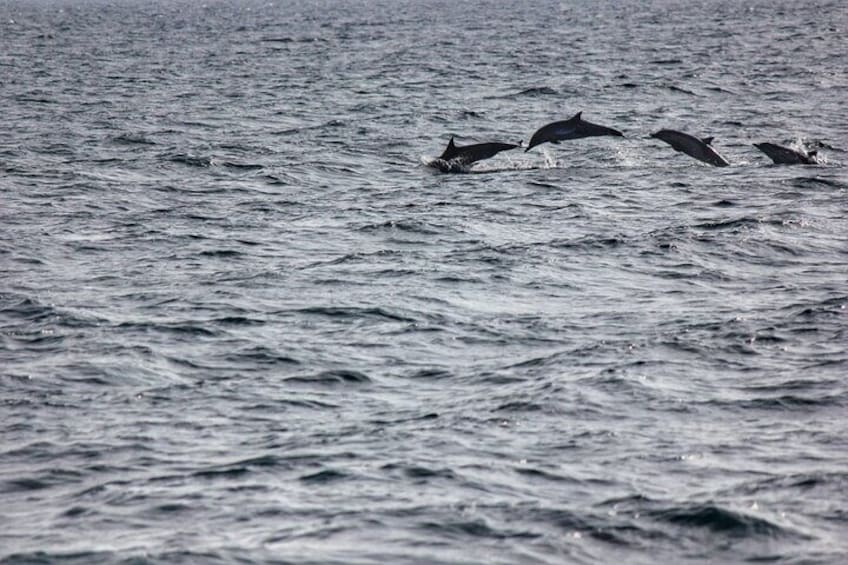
x=722 y=521
x=331 y=378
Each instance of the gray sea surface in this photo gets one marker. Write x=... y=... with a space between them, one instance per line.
x=242 y=322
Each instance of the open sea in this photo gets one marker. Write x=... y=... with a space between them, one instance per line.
x=242 y=322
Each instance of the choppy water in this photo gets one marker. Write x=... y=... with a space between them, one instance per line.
x=241 y=322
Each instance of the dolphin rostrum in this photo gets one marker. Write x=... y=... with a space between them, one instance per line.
x=700 y=149
x=786 y=156
x=573 y=128
x=458 y=158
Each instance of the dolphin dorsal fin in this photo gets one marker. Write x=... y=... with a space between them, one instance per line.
x=577 y=116
x=450 y=151
x=708 y=140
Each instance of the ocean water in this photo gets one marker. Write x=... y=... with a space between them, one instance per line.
x=241 y=322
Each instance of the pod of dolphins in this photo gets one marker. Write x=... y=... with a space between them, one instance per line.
x=457 y=158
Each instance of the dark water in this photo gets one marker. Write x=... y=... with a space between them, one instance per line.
x=241 y=322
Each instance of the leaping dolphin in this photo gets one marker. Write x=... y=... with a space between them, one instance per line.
x=457 y=158
x=786 y=156
x=573 y=128
x=700 y=149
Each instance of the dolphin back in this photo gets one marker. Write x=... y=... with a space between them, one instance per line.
x=588 y=129
x=573 y=128
x=458 y=158
x=785 y=156
x=699 y=149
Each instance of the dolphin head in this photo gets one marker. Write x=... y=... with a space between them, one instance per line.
x=538 y=139
x=662 y=135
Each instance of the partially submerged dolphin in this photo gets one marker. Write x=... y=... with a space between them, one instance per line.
x=573 y=128
x=457 y=158
x=786 y=156
x=700 y=149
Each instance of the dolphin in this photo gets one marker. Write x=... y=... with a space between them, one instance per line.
x=573 y=128
x=700 y=149
x=786 y=156
x=457 y=158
